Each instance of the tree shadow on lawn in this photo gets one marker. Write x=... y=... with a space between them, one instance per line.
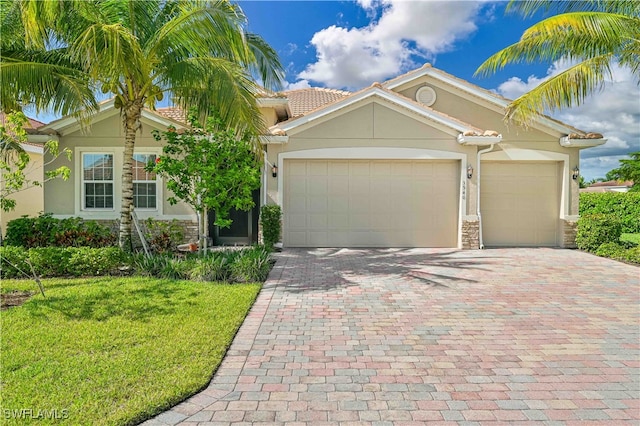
x=326 y=269
x=101 y=304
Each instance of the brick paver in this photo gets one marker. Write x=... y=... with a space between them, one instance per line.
x=415 y=336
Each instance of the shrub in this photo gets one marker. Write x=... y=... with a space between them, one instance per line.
x=252 y=265
x=213 y=267
x=270 y=219
x=619 y=252
x=163 y=236
x=60 y=261
x=597 y=229
x=47 y=231
x=161 y=266
x=626 y=206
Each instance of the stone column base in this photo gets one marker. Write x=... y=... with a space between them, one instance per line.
x=569 y=231
x=470 y=235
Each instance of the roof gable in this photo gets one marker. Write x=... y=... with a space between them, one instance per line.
x=378 y=93
x=70 y=124
x=475 y=93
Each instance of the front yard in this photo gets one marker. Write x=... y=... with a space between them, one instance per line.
x=113 y=351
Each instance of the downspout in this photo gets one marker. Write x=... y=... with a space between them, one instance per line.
x=478 y=176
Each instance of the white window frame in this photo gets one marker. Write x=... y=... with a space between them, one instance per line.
x=156 y=180
x=114 y=213
x=112 y=181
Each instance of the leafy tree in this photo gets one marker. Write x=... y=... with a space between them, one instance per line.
x=15 y=162
x=197 y=51
x=209 y=168
x=590 y=34
x=629 y=170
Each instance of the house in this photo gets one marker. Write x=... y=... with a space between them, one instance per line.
x=31 y=199
x=421 y=160
x=609 y=186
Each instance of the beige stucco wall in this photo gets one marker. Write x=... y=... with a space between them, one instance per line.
x=372 y=124
x=62 y=198
x=30 y=201
x=486 y=116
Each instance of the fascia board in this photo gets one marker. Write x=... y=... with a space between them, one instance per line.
x=580 y=143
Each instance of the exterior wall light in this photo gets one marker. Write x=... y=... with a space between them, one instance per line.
x=274 y=171
x=576 y=173
x=469 y=171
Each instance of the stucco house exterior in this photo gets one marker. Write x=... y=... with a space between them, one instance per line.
x=31 y=199
x=421 y=160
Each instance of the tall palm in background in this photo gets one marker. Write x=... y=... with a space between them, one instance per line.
x=591 y=35
x=197 y=51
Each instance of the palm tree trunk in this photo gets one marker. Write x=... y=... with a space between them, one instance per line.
x=131 y=117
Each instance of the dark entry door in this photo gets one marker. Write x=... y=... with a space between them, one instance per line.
x=243 y=230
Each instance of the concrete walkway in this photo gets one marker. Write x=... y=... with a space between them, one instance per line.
x=402 y=337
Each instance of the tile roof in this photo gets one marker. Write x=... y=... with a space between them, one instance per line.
x=173 y=113
x=31 y=123
x=302 y=101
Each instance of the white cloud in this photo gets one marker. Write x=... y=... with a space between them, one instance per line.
x=614 y=112
x=356 y=57
x=300 y=84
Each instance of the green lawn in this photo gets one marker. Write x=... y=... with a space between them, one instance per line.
x=114 y=351
x=632 y=238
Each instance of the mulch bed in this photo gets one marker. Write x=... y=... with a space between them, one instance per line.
x=13 y=298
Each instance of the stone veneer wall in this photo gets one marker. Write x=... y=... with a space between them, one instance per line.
x=569 y=231
x=470 y=234
x=189 y=227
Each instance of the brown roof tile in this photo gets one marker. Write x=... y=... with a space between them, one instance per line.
x=302 y=101
x=173 y=113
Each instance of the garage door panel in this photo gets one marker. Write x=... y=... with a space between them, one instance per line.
x=371 y=203
x=520 y=203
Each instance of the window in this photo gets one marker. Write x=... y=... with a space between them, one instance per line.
x=144 y=183
x=97 y=175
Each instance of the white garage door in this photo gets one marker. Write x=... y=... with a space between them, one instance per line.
x=520 y=203
x=371 y=203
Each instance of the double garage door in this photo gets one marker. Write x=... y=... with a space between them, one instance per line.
x=371 y=203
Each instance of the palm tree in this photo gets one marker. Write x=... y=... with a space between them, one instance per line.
x=197 y=51
x=591 y=35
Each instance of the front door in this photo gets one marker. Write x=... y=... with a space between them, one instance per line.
x=243 y=229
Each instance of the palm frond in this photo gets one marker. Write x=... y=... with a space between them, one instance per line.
x=566 y=89
x=265 y=63
x=45 y=86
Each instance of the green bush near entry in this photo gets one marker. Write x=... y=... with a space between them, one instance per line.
x=597 y=229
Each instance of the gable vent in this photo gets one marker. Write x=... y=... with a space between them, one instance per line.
x=426 y=95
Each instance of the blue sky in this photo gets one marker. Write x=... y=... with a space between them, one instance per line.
x=351 y=44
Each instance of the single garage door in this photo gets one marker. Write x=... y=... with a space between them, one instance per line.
x=520 y=203
x=371 y=203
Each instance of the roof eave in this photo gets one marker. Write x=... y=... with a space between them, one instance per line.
x=567 y=142
x=273 y=140
x=478 y=140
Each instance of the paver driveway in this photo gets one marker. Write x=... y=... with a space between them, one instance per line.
x=394 y=336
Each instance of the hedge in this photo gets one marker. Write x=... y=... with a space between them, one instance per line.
x=47 y=231
x=60 y=261
x=624 y=205
x=597 y=229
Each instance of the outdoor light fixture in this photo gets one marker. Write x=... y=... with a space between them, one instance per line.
x=576 y=173
x=274 y=171
x=469 y=171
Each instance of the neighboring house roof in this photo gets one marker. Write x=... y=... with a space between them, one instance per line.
x=31 y=123
x=303 y=101
x=609 y=186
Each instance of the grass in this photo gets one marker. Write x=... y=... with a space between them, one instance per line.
x=632 y=238
x=115 y=351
